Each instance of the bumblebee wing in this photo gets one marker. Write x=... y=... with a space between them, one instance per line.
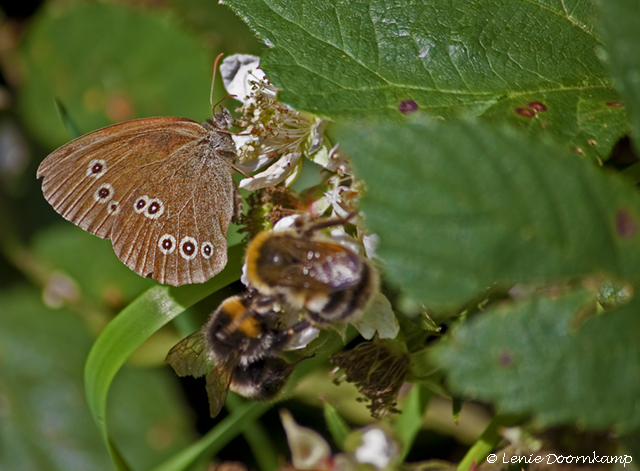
x=218 y=381
x=188 y=357
x=322 y=263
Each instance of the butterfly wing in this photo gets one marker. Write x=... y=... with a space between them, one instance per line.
x=156 y=187
x=185 y=240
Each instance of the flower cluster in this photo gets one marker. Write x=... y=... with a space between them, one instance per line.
x=271 y=131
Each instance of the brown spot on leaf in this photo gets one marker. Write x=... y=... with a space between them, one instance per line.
x=613 y=103
x=538 y=106
x=526 y=112
x=408 y=107
x=626 y=226
x=505 y=358
x=591 y=142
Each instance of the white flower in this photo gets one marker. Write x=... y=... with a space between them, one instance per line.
x=271 y=130
x=289 y=165
x=239 y=74
x=285 y=222
x=341 y=237
x=377 y=448
x=303 y=338
x=379 y=317
x=332 y=160
x=343 y=199
x=370 y=242
x=309 y=451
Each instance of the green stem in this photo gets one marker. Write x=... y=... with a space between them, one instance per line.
x=411 y=419
x=487 y=441
x=261 y=445
x=217 y=438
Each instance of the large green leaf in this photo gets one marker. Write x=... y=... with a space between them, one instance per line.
x=90 y=262
x=619 y=25
x=46 y=424
x=461 y=207
x=449 y=57
x=107 y=63
x=218 y=28
x=548 y=357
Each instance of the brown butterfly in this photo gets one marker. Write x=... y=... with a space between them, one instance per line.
x=160 y=188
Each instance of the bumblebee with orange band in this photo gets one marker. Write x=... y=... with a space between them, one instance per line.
x=311 y=271
x=296 y=269
x=238 y=349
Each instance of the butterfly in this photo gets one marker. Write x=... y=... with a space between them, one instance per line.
x=161 y=189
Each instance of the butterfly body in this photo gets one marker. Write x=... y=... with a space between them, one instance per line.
x=160 y=188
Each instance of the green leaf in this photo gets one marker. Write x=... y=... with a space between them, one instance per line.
x=217 y=437
x=41 y=378
x=218 y=28
x=619 y=26
x=46 y=424
x=336 y=424
x=242 y=418
x=148 y=418
x=411 y=418
x=108 y=63
x=257 y=437
x=90 y=263
x=487 y=442
x=461 y=207
x=133 y=326
x=531 y=64
x=549 y=358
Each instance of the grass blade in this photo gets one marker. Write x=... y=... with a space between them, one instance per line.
x=137 y=322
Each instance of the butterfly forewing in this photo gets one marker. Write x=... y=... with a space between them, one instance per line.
x=66 y=171
x=156 y=187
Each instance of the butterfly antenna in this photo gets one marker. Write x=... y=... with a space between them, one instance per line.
x=213 y=82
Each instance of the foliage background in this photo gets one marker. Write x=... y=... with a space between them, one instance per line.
x=466 y=209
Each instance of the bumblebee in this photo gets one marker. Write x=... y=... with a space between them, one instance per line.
x=238 y=349
x=311 y=271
